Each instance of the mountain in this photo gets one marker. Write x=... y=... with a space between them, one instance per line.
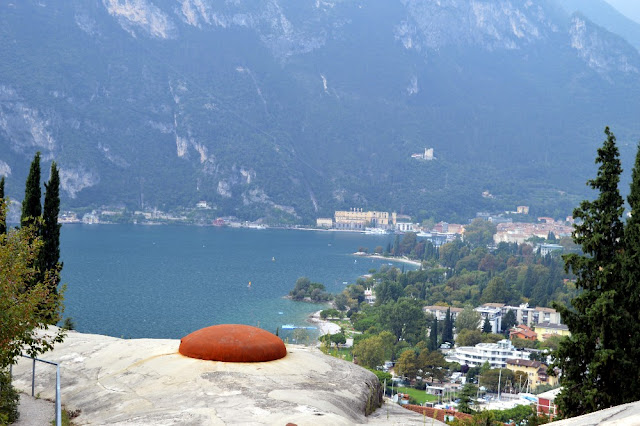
x=290 y=110
x=603 y=14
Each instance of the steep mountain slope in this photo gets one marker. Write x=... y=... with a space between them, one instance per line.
x=293 y=109
x=603 y=14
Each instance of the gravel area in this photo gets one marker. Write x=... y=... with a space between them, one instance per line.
x=35 y=412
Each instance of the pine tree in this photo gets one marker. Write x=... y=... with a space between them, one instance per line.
x=597 y=369
x=433 y=336
x=31 y=207
x=3 y=209
x=49 y=258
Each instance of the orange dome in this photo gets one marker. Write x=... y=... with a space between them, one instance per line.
x=233 y=343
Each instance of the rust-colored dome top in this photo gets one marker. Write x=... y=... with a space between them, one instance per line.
x=233 y=343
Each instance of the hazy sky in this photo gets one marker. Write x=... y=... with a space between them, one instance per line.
x=630 y=8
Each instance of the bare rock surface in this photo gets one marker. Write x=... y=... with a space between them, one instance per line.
x=146 y=381
x=621 y=415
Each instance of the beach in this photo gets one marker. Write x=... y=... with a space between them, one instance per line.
x=324 y=327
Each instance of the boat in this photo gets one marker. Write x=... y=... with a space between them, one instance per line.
x=375 y=231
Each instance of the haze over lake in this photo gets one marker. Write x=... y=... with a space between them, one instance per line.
x=167 y=281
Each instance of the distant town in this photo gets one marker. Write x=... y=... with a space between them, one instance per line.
x=508 y=231
x=354 y=220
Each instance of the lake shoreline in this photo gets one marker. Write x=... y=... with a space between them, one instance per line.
x=391 y=259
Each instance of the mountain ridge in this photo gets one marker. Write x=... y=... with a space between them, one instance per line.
x=290 y=112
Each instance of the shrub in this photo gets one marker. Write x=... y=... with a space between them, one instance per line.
x=9 y=398
x=382 y=376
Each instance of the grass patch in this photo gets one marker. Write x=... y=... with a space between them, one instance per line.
x=67 y=417
x=342 y=353
x=419 y=396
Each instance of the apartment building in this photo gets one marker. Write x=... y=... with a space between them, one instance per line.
x=496 y=354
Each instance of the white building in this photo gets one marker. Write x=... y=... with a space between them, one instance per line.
x=496 y=354
x=494 y=314
x=440 y=312
x=369 y=296
x=405 y=227
x=529 y=316
x=545 y=249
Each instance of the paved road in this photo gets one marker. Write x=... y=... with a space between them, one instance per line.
x=35 y=412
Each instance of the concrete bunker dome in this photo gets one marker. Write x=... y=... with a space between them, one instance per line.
x=232 y=343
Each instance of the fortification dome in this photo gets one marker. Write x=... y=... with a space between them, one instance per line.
x=233 y=343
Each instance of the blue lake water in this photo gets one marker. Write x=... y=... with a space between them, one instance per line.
x=167 y=281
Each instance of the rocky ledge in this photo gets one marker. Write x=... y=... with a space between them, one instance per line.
x=146 y=381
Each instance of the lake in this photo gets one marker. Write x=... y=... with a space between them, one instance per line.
x=137 y=281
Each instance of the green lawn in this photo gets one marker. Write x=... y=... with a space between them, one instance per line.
x=419 y=395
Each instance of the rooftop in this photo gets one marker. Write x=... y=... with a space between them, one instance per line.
x=552 y=326
x=525 y=363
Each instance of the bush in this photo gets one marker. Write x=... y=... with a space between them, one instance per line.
x=381 y=375
x=68 y=324
x=9 y=398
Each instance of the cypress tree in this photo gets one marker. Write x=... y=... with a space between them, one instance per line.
x=396 y=246
x=631 y=266
x=433 y=336
x=486 y=327
x=31 y=207
x=3 y=209
x=447 y=331
x=598 y=371
x=50 y=252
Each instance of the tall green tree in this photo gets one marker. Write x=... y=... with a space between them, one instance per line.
x=3 y=209
x=447 y=329
x=407 y=364
x=49 y=259
x=370 y=351
x=479 y=233
x=598 y=370
x=467 y=396
x=468 y=319
x=433 y=335
x=31 y=207
x=405 y=319
x=631 y=266
x=486 y=326
x=509 y=320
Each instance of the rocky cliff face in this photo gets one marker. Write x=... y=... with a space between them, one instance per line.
x=294 y=109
